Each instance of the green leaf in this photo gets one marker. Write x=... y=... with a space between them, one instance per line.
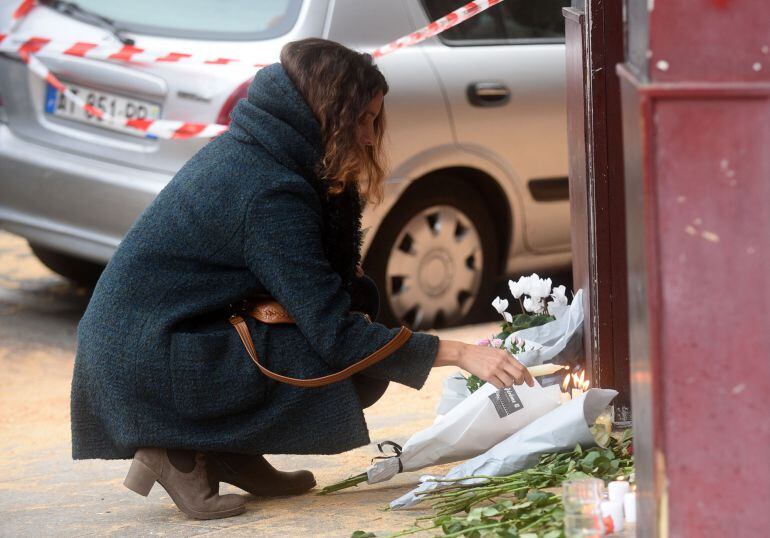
x=538 y=497
x=363 y=534
x=474 y=383
x=602 y=465
x=601 y=434
x=588 y=462
x=490 y=511
x=576 y=475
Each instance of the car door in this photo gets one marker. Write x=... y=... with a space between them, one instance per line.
x=504 y=76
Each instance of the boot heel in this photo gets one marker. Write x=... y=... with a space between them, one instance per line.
x=140 y=478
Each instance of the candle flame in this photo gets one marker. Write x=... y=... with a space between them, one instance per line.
x=575 y=380
x=582 y=376
x=585 y=385
x=565 y=383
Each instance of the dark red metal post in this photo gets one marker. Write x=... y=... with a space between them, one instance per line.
x=696 y=115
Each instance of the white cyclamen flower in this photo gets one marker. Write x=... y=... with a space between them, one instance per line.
x=539 y=288
x=517 y=288
x=534 y=305
x=558 y=294
x=501 y=305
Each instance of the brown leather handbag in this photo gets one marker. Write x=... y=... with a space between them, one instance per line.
x=268 y=310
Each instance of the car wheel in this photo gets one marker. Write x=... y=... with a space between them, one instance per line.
x=435 y=257
x=78 y=270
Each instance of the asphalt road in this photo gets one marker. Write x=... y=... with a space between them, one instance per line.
x=44 y=493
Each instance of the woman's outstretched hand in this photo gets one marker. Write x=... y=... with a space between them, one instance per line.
x=492 y=365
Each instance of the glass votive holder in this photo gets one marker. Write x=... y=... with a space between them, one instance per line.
x=582 y=500
x=581 y=491
x=584 y=525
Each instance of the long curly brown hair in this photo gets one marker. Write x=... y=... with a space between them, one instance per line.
x=338 y=84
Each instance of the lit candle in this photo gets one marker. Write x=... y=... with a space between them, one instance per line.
x=629 y=506
x=545 y=369
x=564 y=397
x=576 y=393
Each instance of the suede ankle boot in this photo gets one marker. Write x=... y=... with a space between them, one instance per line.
x=255 y=475
x=185 y=476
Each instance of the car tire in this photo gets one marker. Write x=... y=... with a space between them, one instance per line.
x=429 y=275
x=82 y=272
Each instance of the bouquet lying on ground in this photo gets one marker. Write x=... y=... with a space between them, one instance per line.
x=476 y=422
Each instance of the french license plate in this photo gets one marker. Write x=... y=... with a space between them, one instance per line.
x=118 y=106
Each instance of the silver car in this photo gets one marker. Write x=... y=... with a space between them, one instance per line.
x=477 y=118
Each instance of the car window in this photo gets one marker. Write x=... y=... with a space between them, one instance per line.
x=201 y=19
x=512 y=21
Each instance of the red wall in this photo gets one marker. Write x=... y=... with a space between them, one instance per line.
x=697 y=135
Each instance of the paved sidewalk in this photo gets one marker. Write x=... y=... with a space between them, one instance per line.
x=44 y=493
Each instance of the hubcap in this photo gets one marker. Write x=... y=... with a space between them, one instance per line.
x=434 y=268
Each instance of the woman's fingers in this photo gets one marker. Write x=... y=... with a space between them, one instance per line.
x=511 y=371
x=505 y=377
x=520 y=372
x=515 y=372
x=497 y=382
x=496 y=366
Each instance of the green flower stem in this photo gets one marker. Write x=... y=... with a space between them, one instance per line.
x=347 y=483
x=414 y=530
x=478 y=528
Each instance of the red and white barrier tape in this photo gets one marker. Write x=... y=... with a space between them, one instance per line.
x=27 y=48
x=469 y=10
x=20 y=12
x=10 y=43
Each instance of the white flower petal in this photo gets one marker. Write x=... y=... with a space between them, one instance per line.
x=516 y=288
x=500 y=304
x=508 y=317
x=534 y=305
x=559 y=295
x=540 y=288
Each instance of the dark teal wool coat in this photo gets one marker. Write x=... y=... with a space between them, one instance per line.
x=158 y=365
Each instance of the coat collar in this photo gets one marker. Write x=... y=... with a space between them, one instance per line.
x=275 y=116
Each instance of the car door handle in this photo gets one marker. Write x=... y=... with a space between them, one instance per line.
x=488 y=94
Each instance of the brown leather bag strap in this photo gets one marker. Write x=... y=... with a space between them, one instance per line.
x=395 y=343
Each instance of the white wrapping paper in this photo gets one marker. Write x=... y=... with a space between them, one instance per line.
x=482 y=420
x=557 y=431
x=455 y=391
x=545 y=342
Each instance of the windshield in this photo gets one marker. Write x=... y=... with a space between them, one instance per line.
x=201 y=19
